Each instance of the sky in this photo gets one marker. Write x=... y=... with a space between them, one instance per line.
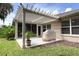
x=54 y=8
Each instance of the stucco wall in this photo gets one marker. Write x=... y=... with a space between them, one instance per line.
x=56 y=27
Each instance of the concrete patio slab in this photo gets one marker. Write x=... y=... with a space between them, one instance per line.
x=35 y=41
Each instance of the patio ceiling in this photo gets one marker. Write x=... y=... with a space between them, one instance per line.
x=33 y=18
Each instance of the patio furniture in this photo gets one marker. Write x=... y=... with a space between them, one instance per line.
x=48 y=35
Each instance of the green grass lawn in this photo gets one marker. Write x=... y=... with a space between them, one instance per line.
x=11 y=48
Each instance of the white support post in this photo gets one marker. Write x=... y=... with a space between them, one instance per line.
x=41 y=30
x=23 y=28
x=70 y=27
x=16 y=29
x=37 y=30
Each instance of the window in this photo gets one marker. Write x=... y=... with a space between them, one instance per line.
x=45 y=27
x=65 y=23
x=75 y=22
x=49 y=26
x=75 y=26
x=65 y=27
x=65 y=30
x=75 y=30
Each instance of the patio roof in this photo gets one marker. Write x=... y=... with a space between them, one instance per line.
x=34 y=17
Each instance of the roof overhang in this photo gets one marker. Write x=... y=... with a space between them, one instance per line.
x=70 y=13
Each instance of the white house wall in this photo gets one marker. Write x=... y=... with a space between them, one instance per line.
x=56 y=27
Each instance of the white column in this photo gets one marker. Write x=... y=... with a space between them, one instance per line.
x=23 y=29
x=37 y=30
x=41 y=30
x=70 y=27
x=16 y=29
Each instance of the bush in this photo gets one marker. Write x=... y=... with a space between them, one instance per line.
x=3 y=31
x=10 y=34
x=7 y=32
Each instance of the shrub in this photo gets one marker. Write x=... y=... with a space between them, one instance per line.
x=10 y=34
x=3 y=31
x=7 y=32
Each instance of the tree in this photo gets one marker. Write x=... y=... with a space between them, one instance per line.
x=5 y=9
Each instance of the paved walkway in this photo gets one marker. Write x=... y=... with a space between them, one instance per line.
x=35 y=41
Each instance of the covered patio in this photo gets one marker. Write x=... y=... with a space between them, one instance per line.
x=26 y=16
